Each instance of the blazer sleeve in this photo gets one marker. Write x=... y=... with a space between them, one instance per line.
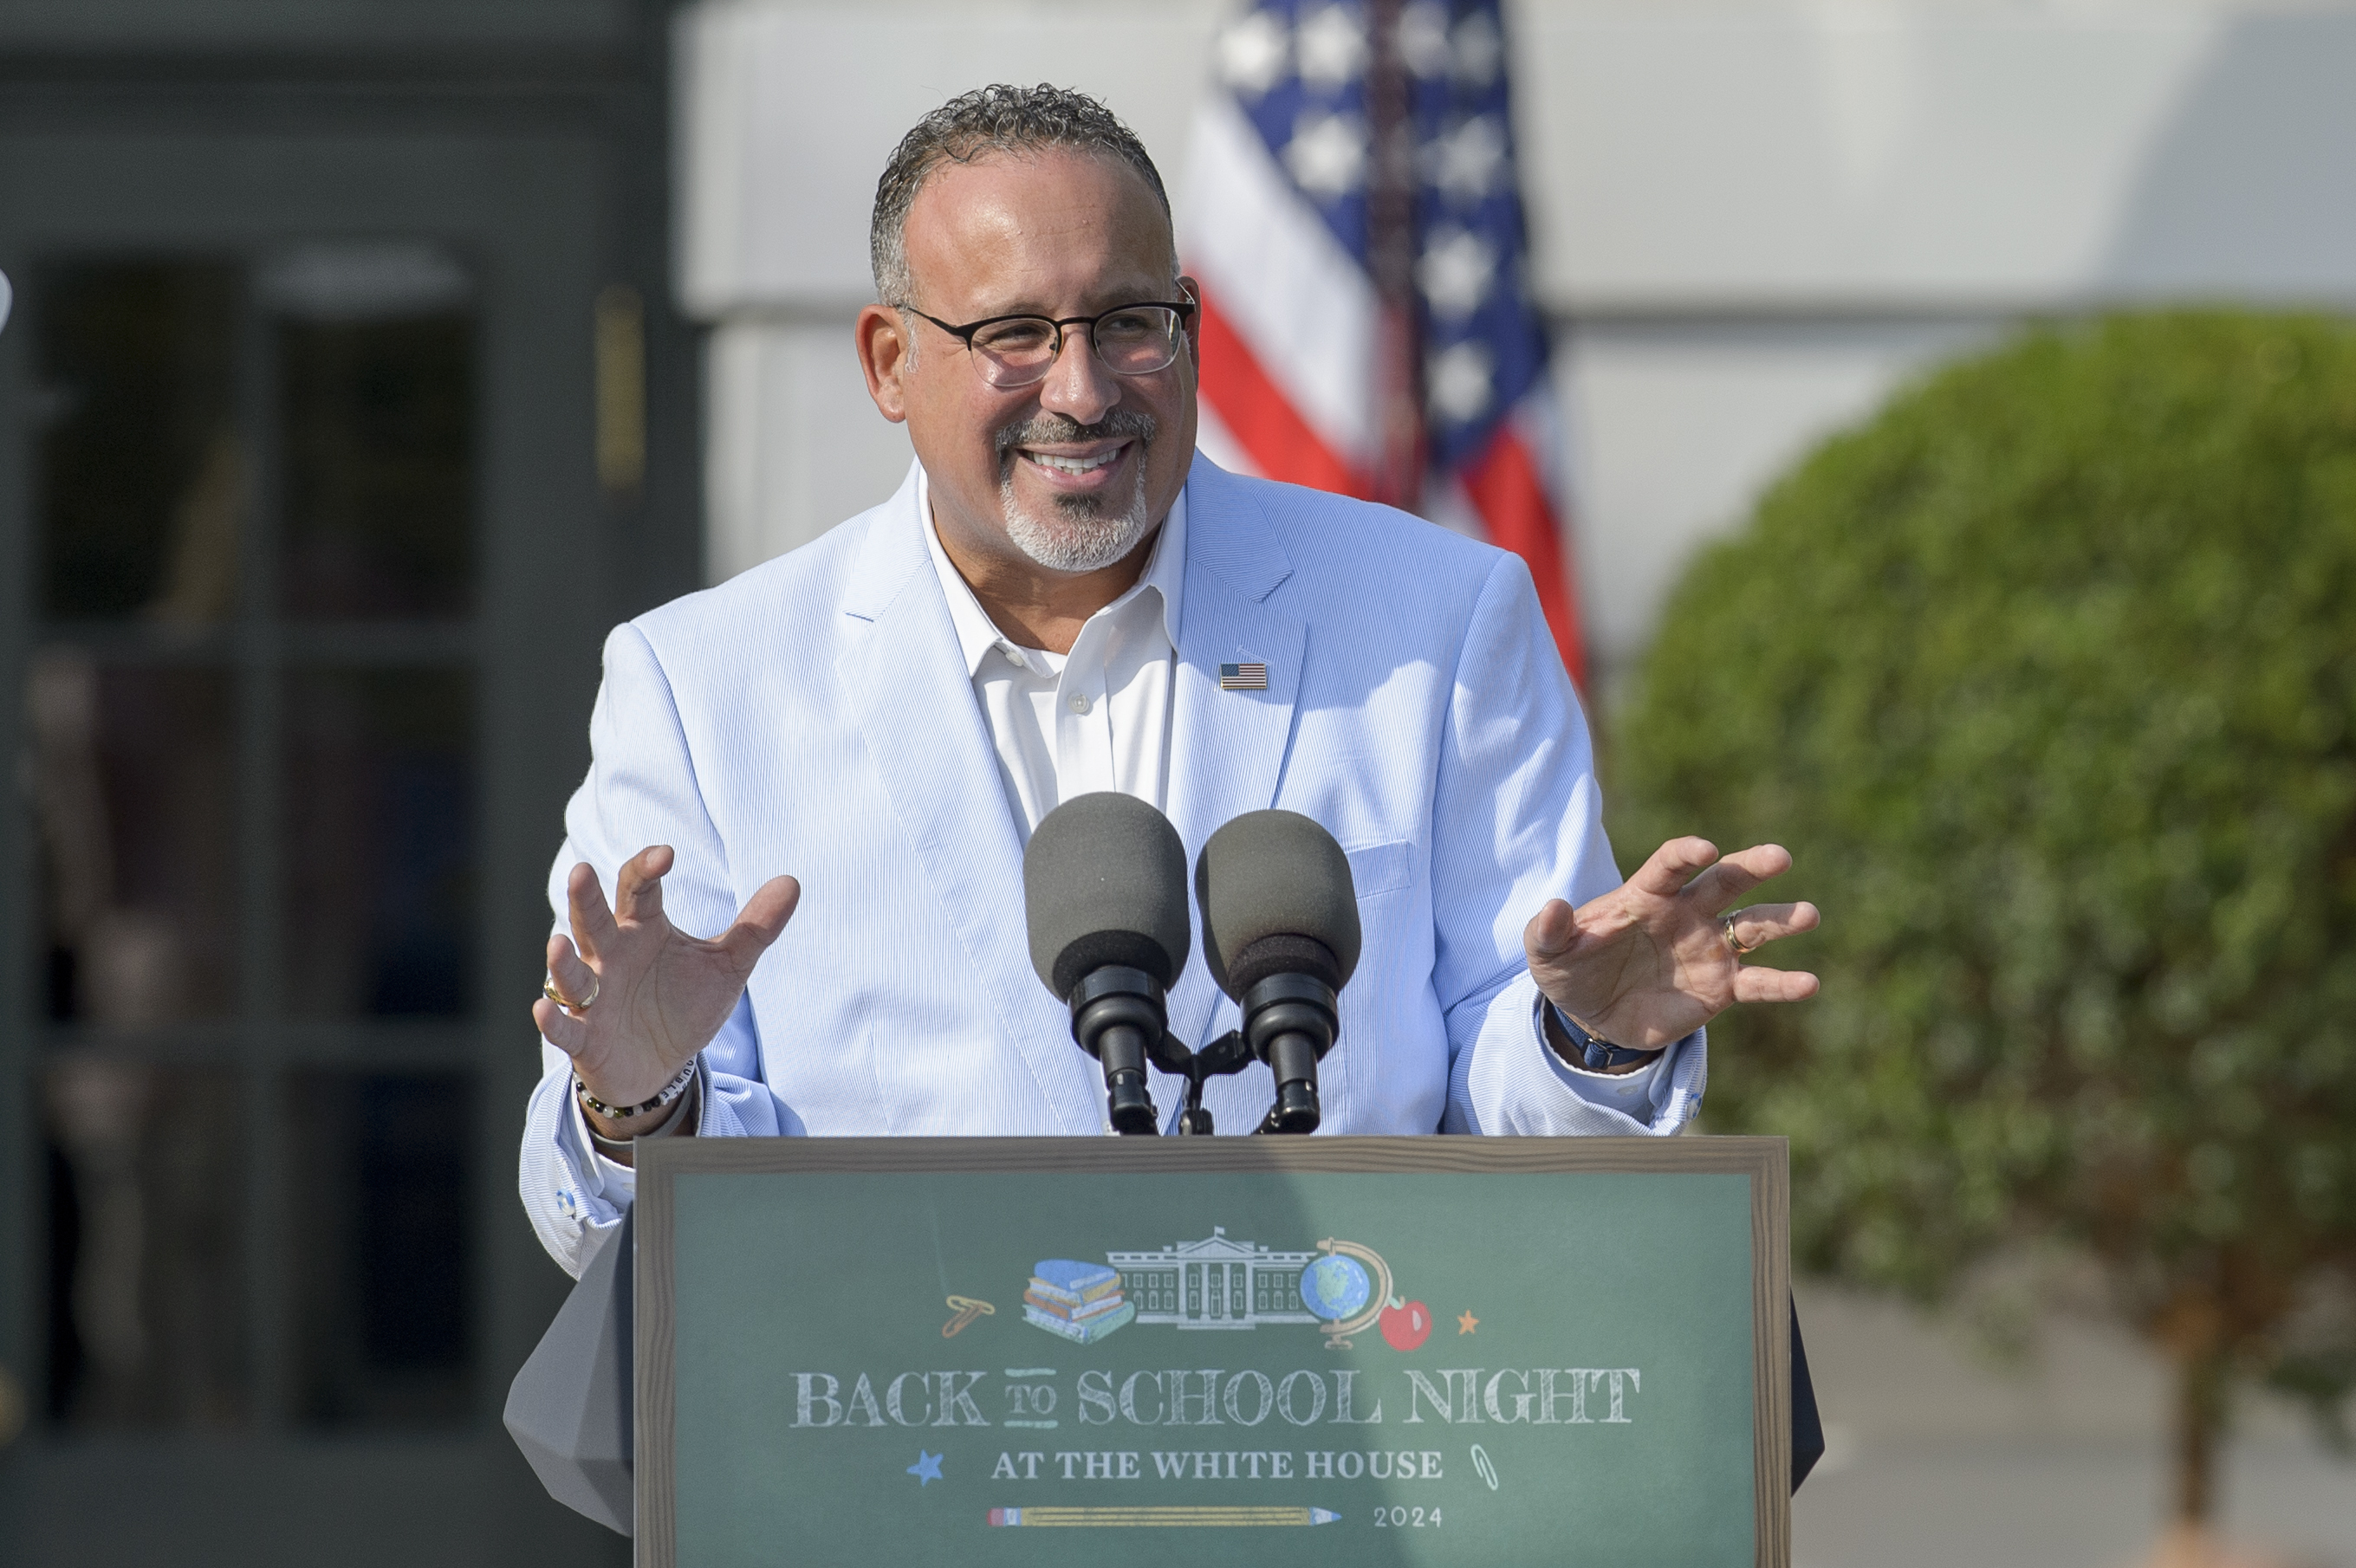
x=1516 y=820
x=641 y=790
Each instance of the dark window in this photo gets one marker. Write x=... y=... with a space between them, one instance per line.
x=379 y=839
x=147 y=1308
x=141 y=470
x=379 y=1222
x=253 y=780
x=135 y=788
x=375 y=355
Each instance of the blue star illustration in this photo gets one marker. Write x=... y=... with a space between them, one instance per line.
x=927 y=1467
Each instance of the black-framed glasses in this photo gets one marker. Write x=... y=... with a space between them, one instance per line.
x=1017 y=350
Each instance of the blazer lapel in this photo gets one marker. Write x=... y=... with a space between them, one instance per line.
x=905 y=681
x=1228 y=748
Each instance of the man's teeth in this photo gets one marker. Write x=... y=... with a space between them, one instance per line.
x=1072 y=465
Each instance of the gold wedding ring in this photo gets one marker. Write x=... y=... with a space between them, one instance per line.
x=1726 y=924
x=548 y=988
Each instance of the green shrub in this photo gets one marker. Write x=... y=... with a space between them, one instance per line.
x=2047 y=677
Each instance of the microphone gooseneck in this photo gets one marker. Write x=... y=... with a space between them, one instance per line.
x=1280 y=934
x=1104 y=887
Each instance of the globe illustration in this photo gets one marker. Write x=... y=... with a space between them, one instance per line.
x=1334 y=1287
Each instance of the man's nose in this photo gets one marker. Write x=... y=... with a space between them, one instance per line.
x=1079 y=386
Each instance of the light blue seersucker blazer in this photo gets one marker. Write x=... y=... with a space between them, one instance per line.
x=814 y=716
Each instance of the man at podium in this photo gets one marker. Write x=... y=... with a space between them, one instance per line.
x=812 y=784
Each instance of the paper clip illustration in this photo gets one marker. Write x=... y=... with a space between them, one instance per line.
x=967 y=1309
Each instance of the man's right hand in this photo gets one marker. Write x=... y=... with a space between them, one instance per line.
x=659 y=995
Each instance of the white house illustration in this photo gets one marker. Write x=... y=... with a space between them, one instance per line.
x=1215 y=1283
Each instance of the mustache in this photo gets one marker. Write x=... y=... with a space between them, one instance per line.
x=1045 y=428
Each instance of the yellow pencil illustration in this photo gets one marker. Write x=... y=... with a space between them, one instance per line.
x=1134 y=1517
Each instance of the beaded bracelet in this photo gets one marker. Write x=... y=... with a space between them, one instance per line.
x=684 y=1111
x=663 y=1096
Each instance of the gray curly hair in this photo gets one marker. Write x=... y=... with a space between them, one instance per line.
x=972 y=125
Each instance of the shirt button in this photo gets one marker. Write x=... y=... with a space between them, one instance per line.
x=1017 y=660
x=1079 y=702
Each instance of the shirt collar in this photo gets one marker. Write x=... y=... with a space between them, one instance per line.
x=979 y=637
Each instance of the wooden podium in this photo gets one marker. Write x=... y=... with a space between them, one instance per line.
x=1432 y=1351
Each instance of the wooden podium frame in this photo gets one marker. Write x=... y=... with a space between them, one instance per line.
x=1765 y=1160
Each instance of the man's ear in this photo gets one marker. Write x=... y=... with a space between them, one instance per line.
x=885 y=353
x=1194 y=291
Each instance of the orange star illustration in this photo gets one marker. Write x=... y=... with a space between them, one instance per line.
x=1466 y=1323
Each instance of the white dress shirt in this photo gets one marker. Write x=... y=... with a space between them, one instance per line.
x=1095 y=718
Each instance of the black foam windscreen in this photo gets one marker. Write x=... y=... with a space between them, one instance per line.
x=1277 y=897
x=1104 y=881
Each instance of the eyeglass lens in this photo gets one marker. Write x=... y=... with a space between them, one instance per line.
x=1136 y=341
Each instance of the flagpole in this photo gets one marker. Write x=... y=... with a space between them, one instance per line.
x=1390 y=255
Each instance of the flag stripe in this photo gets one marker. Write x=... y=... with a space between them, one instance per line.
x=1289 y=289
x=1217 y=442
x=1506 y=489
x=1263 y=421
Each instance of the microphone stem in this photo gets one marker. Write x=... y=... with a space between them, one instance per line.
x=1122 y=1050
x=1292 y=1058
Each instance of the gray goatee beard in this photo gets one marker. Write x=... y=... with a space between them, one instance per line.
x=1080 y=533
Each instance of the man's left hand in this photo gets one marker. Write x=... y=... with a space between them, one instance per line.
x=1649 y=962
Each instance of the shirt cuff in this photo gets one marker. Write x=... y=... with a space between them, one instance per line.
x=1630 y=1094
x=617 y=1183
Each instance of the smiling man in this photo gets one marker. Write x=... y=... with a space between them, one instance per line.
x=1045 y=470
x=859 y=737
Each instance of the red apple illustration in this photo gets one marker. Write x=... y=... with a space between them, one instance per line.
x=1406 y=1326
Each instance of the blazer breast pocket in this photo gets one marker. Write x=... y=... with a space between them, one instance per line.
x=1380 y=867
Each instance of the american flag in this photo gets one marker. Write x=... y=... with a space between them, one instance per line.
x=1243 y=677
x=1353 y=215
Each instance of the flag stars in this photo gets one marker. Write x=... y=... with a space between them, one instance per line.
x=1332 y=48
x=1423 y=38
x=1480 y=50
x=1252 y=53
x=1467 y=161
x=1475 y=55
x=1462 y=383
x=1457 y=271
x=1327 y=154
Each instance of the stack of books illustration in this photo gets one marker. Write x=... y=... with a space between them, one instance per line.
x=1082 y=1302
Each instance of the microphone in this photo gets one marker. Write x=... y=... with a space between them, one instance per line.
x=1280 y=934
x=1104 y=889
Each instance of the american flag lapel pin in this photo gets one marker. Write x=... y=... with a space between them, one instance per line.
x=1243 y=677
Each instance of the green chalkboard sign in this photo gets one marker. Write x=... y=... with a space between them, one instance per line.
x=1347 y=1351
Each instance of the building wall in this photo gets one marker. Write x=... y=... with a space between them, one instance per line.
x=1752 y=218
x=370 y=34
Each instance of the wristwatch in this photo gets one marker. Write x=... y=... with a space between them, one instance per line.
x=1598 y=1054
